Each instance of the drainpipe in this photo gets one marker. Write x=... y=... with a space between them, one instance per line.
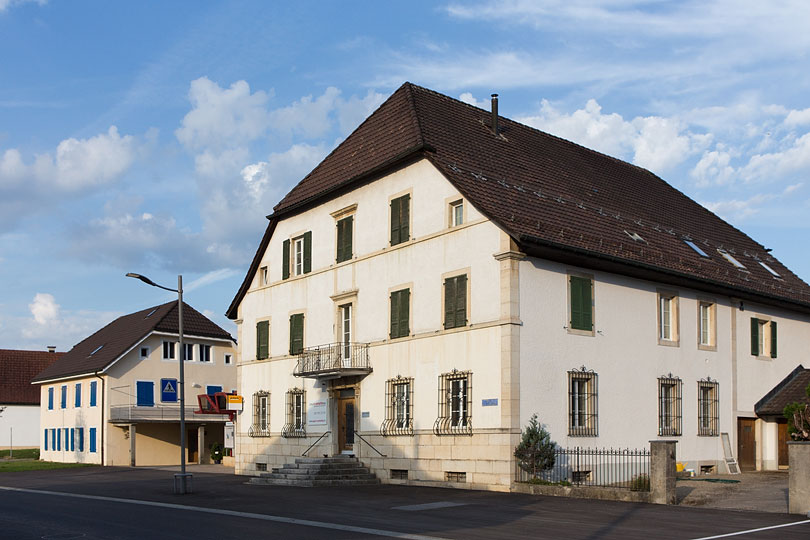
x=101 y=427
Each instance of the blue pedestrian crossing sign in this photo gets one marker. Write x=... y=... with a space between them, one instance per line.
x=168 y=390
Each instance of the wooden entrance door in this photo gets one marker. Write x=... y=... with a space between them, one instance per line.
x=782 y=447
x=746 y=444
x=346 y=424
x=192 y=447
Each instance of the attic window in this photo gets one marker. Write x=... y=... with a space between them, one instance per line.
x=773 y=272
x=727 y=256
x=635 y=236
x=151 y=313
x=696 y=248
x=96 y=350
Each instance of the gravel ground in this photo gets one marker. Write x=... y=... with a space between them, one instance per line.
x=761 y=491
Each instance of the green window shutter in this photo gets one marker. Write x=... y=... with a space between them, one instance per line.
x=404 y=309
x=344 y=241
x=773 y=339
x=461 y=300
x=587 y=304
x=296 y=333
x=307 y=252
x=395 y=229
x=262 y=339
x=285 y=260
x=405 y=218
x=581 y=303
x=449 y=303
x=754 y=336
x=394 y=315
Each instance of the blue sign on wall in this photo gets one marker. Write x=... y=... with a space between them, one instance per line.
x=489 y=402
x=168 y=390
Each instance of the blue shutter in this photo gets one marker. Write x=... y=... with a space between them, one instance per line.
x=50 y=398
x=93 y=393
x=78 y=401
x=46 y=440
x=145 y=394
x=212 y=389
x=72 y=439
x=92 y=435
x=80 y=433
x=64 y=396
x=59 y=439
x=53 y=439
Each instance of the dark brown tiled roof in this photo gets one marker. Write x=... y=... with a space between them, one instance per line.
x=17 y=368
x=792 y=389
x=548 y=194
x=123 y=333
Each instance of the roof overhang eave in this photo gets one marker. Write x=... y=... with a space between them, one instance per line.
x=547 y=249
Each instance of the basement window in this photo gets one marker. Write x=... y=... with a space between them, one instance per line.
x=261 y=466
x=399 y=474
x=696 y=248
x=769 y=269
x=727 y=256
x=455 y=476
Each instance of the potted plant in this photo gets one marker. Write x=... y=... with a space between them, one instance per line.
x=216 y=453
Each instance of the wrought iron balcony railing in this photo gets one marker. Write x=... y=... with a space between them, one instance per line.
x=333 y=360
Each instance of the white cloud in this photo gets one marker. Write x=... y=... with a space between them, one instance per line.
x=223 y=117
x=775 y=165
x=469 y=99
x=44 y=308
x=713 y=168
x=798 y=118
x=307 y=117
x=736 y=210
x=211 y=277
x=353 y=111
x=5 y=4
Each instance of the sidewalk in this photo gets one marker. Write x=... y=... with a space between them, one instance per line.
x=765 y=491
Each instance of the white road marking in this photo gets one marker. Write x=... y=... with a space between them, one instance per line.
x=738 y=533
x=427 y=506
x=218 y=511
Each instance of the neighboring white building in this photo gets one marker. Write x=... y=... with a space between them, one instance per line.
x=19 y=401
x=445 y=273
x=113 y=399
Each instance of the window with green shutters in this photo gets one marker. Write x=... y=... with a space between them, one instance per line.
x=400 y=219
x=455 y=301
x=763 y=337
x=400 y=313
x=296 y=333
x=296 y=256
x=344 y=239
x=581 y=299
x=262 y=340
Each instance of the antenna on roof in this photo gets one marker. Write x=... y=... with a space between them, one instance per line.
x=495 y=114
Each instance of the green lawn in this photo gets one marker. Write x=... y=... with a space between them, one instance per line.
x=21 y=453
x=14 y=465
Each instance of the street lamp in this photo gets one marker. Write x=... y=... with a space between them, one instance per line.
x=182 y=481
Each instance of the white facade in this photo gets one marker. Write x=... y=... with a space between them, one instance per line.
x=114 y=422
x=19 y=426
x=517 y=344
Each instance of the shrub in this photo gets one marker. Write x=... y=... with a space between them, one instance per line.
x=640 y=482
x=535 y=453
x=798 y=416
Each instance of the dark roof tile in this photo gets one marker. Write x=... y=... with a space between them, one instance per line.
x=17 y=369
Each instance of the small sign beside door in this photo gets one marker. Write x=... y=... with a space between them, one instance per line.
x=316 y=413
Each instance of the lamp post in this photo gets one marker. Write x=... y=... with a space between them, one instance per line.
x=182 y=481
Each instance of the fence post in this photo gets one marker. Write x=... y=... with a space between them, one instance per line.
x=662 y=472
x=799 y=480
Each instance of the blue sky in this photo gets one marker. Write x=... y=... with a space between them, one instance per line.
x=154 y=137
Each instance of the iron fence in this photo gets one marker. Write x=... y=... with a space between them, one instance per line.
x=597 y=467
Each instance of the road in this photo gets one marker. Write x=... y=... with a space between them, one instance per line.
x=125 y=503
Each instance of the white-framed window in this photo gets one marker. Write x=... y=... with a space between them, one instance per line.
x=707 y=324
x=346 y=333
x=144 y=352
x=263 y=279
x=261 y=415
x=398 y=407
x=455 y=404
x=298 y=256
x=168 y=350
x=708 y=408
x=583 y=403
x=296 y=414
x=205 y=353
x=457 y=213
x=763 y=337
x=189 y=352
x=667 y=318
x=228 y=359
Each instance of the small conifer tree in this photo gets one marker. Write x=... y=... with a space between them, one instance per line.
x=535 y=453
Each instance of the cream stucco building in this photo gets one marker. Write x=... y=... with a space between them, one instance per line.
x=114 y=398
x=445 y=273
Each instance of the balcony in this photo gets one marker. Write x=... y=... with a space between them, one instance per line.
x=333 y=361
x=130 y=414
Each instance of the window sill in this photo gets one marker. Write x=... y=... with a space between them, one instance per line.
x=578 y=332
x=669 y=343
x=710 y=348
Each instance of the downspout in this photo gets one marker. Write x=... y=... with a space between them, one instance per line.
x=102 y=426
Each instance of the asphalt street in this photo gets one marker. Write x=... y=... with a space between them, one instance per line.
x=126 y=503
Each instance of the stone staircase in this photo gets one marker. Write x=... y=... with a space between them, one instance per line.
x=317 y=472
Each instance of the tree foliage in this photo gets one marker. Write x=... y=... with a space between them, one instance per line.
x=535 y=453
x=798 y=415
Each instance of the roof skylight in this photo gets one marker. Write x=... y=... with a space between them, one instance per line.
x=151 y=313
x=696 y=248
x=727 y=256
x=773 y=272
x=634 y=236
x=96 y=350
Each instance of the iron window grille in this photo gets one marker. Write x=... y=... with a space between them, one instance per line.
x=261 y=415
x=708 y=407
x=455 y=404
x=398 y=407
x=583 y=404
x=669 y=406
x=296 y=414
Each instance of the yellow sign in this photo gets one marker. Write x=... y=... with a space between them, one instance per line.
x=234 y=402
